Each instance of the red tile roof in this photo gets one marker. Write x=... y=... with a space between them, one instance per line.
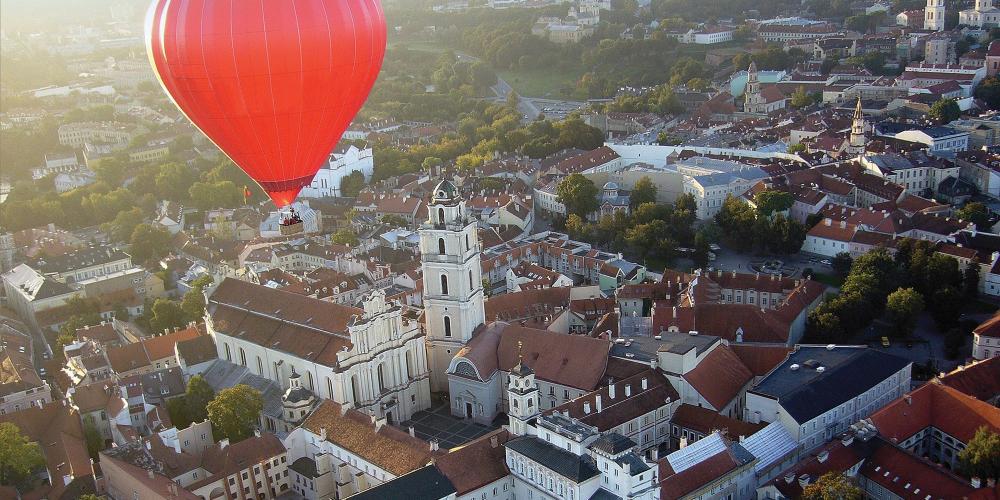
x=706 y=421
x=903 y=475
x=937 y=405
x=719 y=377
x=990 y=327
x=761 y=359
x=571 y=360
x=980 y=379
x=476 y=464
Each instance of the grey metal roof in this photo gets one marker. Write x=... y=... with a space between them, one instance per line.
x=604 y=495
x=645 y=348
x=427 y=483
x=613 y=443
x=573 y=467
x=305 y=466
x=222 y=374
x=891 y=162
x=634 y=464
x=808 y=392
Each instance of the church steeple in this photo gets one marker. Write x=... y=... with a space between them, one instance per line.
x=753 y=99
x=453 y=284
x=522 y=394
x=857 y=142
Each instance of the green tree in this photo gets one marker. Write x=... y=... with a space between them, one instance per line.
x=824 y=326
x=768 y=202
x=946 y=306
x=344 y=237
x=797 y=148
x=149 y=242
x=167 y=315
x=988 y=90
x=173 y=180
x=701 y=249
x=193 y=304
x=235 y=411
x=124 y=224
x=644 y=191
x=970 y=280
x=832 y=486
x=944 y=111
x=351 y=185
x=801 y=98
x=430 y=163
x=841 y=263
x=646 y=238
x=19 y=457
x=197 y=397
x=578 y=194
x=976 y=213
x=577 y=228
x=95 y=442
x=209 y=195
x=903 y=306
x=954 y=340
x=981 y=456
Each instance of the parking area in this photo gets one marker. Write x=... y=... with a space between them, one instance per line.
x=450 y=431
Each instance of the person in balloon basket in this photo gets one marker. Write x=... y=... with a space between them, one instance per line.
x=292 y=218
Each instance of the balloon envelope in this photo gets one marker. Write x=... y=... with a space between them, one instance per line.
x=273 y=84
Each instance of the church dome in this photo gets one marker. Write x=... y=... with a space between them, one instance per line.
x=445 y=191
x=611 y=186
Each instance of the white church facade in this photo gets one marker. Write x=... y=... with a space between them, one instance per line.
x=370 y=359
x=343 y=162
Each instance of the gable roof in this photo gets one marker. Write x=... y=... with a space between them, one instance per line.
x=939 y=406
x=622 y=408
x=477 y=463
x=719 y=377
x=387 y=447
x=571 y=360
x=980 y=379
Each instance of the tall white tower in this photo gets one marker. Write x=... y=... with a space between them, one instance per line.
x=453 y=283
x=857 y=142
x=934 y=15
x=754 y=100
x=522 y=396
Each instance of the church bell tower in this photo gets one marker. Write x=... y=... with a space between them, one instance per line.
x=453 y=283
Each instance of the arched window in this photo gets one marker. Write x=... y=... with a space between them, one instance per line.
x=444 y=284
x=354 y=390
x=229 y=355
x=447 y=326
x=513 y=402
x=329 y=388
x=441 y=215
x=470 y=280
x=309 y=376
x=467 y=247
x=260 y=366
x=243 y=357
x=409 y=365
x=440 y=246
x=381 y=379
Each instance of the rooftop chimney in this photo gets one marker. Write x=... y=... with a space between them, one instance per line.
x=611 y=391
x=412 y=433
x=586 y=407
x=628 y=390
x=645 y=383
x=597 y=403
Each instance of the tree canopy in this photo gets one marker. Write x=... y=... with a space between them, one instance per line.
x=578 y=194
x=19 y=457
x=235 y=411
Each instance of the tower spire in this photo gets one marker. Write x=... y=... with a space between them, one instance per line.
x=857 y=142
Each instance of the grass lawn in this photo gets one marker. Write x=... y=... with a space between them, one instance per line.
x=542 y=82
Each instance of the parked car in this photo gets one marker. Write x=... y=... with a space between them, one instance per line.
x=885 y=341
x=826 y=262
x=714 y=247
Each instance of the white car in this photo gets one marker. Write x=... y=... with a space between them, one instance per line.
x=713 y=247
x=826 y=262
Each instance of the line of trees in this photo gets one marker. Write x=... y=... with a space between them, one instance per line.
x=762 y=227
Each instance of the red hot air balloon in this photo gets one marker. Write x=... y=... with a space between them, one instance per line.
x=273 y=83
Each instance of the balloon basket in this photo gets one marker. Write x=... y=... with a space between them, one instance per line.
x=291 y=228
